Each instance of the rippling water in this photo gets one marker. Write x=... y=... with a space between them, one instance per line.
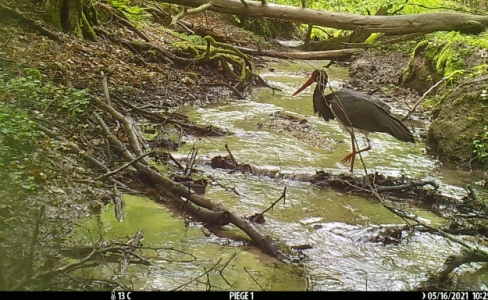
x=336 y=225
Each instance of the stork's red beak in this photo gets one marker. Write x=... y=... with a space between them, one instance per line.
x=309 y=82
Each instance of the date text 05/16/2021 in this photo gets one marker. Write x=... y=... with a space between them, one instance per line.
x=454 y=295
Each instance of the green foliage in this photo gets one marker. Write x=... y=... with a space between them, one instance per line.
x=30 y=92
x=21 y=157
x=135 y=14
x=480 y=145
x=479 y=41
x=17 y=138
x=188 y=40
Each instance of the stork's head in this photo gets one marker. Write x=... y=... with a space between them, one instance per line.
x=319 y=76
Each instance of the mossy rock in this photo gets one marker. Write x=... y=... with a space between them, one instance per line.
x=460 y=116
x=431 y=61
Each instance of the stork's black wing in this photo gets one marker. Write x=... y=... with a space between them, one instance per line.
x=364 y=112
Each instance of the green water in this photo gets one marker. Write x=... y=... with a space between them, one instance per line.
x=336 y=225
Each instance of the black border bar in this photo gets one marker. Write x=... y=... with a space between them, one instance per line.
x=241 y=295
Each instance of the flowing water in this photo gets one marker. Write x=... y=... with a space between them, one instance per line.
x=336 y=225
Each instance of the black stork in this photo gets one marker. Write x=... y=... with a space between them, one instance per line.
x=365 y=113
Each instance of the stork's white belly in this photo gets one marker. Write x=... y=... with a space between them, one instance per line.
x=348 y=129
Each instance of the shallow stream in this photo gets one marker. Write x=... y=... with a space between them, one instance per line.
x=336 y=225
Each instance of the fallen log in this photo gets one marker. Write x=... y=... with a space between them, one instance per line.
x=390 y=25
x=337 y=55
x=394 y=188
x=202 y=208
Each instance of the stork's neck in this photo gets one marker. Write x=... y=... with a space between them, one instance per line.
x=321 y=87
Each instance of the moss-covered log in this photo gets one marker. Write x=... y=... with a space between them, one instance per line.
x=69 y=15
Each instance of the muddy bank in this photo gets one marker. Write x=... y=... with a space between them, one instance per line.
x=458 y=131
x=379 y=73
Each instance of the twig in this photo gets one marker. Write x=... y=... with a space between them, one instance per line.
x=101 y=177
x=432 y=88
x=175 y=161
x=206 y=272
x=225 y=266
x=231 y=156
x=411 y=185
x=119 y=204
x=65 y=268
x=185 y=12
x=126 y=122
x=283 y=196
x=254 y=279
x=233 y=189
x=400 y=9
x=105 y=88
x=244 y=3
x=34 y=239
x=75 y=149
x=189 y=165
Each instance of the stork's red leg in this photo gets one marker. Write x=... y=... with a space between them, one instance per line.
x=352 y=154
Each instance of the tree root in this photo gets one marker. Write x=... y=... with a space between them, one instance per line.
x=122 y=20
x=5 y=10
x=183 y=121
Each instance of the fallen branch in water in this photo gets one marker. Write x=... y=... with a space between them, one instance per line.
x=283 y=196
x=259 y=218
x=231 y=156
x=125 y=166
x=179 y=195
x=103 y=251
x=403 y=187
x=254 y=279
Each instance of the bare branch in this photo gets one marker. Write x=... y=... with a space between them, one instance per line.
x=432 y=88
x=105 y=88
x=193 y=280
x=101 y=177
x=231 y=156
x=254 y=279
x=283 y=196
x=185 y=12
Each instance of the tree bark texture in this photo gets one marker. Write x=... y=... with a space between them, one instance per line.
x=390 y=25
x=68 y=15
